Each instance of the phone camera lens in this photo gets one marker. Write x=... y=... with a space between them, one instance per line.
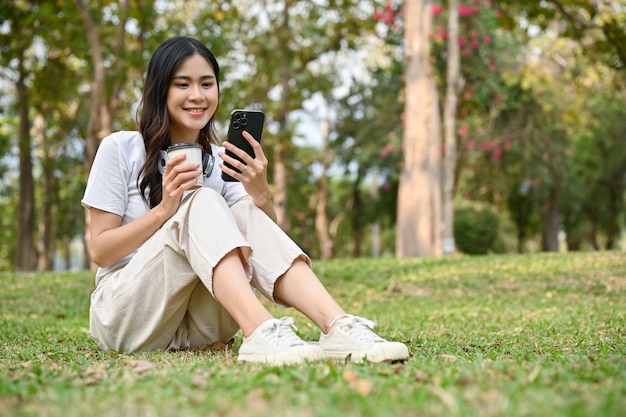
x=237 y=116
x=236 y=124
x=244 y=121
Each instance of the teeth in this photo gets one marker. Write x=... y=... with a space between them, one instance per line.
x=195 y=110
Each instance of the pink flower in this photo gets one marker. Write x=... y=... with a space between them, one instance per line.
x=473 y=34
x=485 y=146
x=508 y=143
x=475 y=44
x=465 y=10
x=462 y=41
x=470 y=144
x=378 y=14
x=487 y=40
x=463 y=130
x=436 y=9
x=387 y=149
x=388 y=17
x=497 y=153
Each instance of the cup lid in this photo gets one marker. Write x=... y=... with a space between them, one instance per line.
x=183 y=146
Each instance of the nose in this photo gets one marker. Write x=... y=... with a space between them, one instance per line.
x=195 y=92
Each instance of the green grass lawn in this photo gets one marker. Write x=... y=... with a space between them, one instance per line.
x=524 y=335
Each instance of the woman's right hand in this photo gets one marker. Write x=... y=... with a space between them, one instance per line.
x=178 y=177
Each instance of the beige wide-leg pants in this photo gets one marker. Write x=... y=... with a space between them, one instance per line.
x=163 y=298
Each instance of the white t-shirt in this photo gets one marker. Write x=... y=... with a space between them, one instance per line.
x=112 y=185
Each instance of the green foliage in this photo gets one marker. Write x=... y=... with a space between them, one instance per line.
x=597 y=25
x=494 y=335
x=595 y=197
x=530 y=115
x=476 y=227
x=7 y=229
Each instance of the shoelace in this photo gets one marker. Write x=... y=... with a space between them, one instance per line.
x=360 y=329
x=282 y=333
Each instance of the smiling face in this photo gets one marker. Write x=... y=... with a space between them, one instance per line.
x=192 y=98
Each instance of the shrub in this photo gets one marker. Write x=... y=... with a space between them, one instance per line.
x=475 y=228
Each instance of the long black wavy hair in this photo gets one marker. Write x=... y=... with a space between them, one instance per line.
x=154 y=121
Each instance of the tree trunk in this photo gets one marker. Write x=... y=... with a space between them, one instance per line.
x=26 y=253
x=376 y=229
x=99 y=116
x=66 y=252
x=593 y=232
x=280 y=166
x=321 y=219
x=616 y=202
x=47 y=154
x=551 y=221
x=419 y=227
x=453 y=79
x=357 y=216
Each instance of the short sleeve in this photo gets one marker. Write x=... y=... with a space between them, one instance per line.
x=107 y=186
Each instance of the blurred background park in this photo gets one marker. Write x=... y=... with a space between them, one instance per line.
x=523 y=132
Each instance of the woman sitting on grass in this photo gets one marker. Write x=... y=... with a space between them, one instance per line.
x=177 y=265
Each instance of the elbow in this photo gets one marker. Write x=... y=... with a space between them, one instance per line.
x=97 y=259
x=98 y=256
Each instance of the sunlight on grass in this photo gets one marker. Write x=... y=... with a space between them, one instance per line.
x=526 y=335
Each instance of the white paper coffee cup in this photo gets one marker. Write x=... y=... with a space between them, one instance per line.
x=194 y=155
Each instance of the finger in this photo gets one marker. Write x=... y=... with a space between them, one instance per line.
x=251 y=140
x=248 y=136
x=243 y=155
x=234 y=162
x=172 y=163
x=181 y=167
x=231 y=172
x=256 y=146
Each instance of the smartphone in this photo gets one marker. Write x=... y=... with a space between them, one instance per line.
x=252 y=122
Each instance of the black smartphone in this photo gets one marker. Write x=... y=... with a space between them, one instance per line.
x=252 y=122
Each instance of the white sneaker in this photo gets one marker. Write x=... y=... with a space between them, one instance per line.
x=275 y=343
x=353 y=336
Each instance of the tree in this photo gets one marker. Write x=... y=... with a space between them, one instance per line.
x=596 y=25
x=453 y=86
x=17 y=54
x=113 y=56
x=597 y=29
x=321 y=196
x=419 y=227
x=285 y=59
x=100 y=117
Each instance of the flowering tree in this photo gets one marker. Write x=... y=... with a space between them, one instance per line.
x=419 y=194
x=469 y=42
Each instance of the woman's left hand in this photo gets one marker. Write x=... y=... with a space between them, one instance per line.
x=253 y=174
